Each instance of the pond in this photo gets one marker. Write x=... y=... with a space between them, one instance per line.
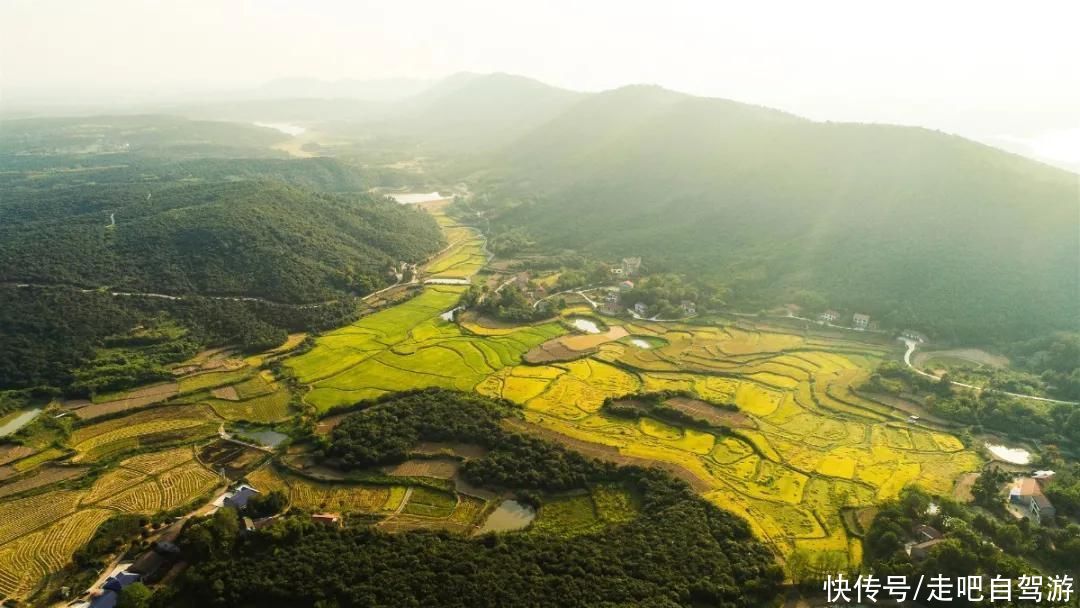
x=14 y=422
x=284 y=127
x=510 y=515
x=449 y=315
x=412 y=198
x=261 y=435
x=586 y=325
x=1009 y=455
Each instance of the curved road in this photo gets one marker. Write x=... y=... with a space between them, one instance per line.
x=913 y=344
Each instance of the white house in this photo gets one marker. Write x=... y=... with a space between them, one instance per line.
x=860 y=321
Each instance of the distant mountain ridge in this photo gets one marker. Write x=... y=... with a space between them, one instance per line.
x=912 y=226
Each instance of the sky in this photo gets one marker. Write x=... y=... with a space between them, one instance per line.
x=1005 y=72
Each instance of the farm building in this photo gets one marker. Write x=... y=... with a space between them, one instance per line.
x=860 y=321
x=920 y=551
x=924 y=533
x=829 y=316
x=239 y=497
x=1026 y=492
x=631 y=266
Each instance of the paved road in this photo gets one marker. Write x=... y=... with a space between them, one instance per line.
x=913 y=344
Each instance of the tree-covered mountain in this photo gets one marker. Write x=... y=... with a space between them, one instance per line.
x=249 y=238
x=170 y=206
x=912 y=226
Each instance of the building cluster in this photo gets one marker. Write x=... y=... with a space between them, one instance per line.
x=859 y=321
x=1026 y=493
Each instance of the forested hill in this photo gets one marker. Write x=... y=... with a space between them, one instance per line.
x=200 y=208
x=912 y=226
x=250 y=238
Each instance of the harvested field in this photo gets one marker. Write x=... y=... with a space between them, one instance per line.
x=41 y=477
x=10 y=452
x=228 y=393
x=131 y=400
x=440 y=468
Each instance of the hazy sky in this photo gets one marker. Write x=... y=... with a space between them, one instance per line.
x=982 y=68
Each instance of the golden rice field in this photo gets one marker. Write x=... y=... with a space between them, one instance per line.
x=814 y=449
x=39 y=533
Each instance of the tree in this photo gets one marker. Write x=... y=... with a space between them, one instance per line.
x=135 y=595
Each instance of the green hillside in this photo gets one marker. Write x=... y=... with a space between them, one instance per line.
x=912 y=226
x=249 y=238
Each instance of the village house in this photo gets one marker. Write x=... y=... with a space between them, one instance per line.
x=239 y=497
x=689 y=308
x=860 y=321
x=640 y=309
x=829 y=316
x=919 y=551
x=626 y=286
x=1027 y=493
x=631 y=266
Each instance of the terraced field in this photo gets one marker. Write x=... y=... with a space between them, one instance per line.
x=39 y=533
x=806 y=447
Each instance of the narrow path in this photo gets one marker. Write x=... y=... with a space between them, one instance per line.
x=913 y=344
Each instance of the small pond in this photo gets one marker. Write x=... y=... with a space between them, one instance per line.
x=1009 y=455
x=262 y=435
x=510 y=515
x=412 y=198
x=14 y=422
x=586 y=325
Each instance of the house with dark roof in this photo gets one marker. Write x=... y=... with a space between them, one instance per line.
x=1042 y=511
x=240 y=497
x=920 y=551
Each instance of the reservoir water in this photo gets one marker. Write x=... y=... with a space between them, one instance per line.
x=510 y=515
x=1009 y=455
x=585 y=325
x=412 y=198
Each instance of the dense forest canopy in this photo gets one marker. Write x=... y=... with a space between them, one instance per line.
x=680 y=549
x=162 y=205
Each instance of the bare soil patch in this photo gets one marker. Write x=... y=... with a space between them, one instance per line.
x=42 y=476
x=962 y=489
x=324 y=426
x=710 y=413
x=10 y=452
x=228 y=393
x=139 y=398
x=554 y=351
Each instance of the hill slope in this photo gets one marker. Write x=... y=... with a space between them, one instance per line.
x=253 y=238
x=912 y=226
